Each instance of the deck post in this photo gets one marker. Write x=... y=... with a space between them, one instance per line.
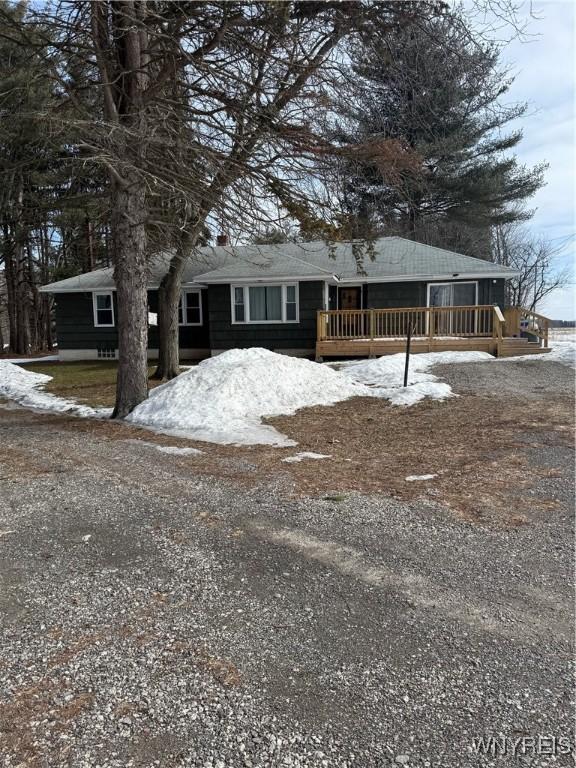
x=319 y=326
x=430 y=311
x=372 y=324
x=512 y=318
x=498 y=320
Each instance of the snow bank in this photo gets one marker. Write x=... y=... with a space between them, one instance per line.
x=24 y=387
x=225 y=398
x=385 y=375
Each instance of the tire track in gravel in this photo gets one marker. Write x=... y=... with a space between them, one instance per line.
x=166 y=482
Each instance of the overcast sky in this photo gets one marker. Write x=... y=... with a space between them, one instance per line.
x=545 y=68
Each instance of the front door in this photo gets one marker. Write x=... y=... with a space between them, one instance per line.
x=351 y=325
x=350 y=298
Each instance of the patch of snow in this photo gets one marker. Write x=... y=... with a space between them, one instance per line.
x=561 y=352
x=225 y=398
x=24 y=387
x=172 y=449
x=413 y=478
x=385 y=375
x=23 y=360
x=176 y=451
x=306 y=455
x=562 y=334
x=152 y=318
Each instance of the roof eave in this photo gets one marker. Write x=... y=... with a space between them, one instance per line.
x=267 y=279
x=428 y=277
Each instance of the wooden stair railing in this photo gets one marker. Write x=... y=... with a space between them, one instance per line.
x=520 y=320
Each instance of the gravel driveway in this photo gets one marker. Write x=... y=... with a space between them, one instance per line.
x=532 y=378
x=154 y=616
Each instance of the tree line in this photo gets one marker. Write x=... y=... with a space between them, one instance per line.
x=135 y=128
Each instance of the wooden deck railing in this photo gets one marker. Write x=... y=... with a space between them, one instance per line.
x=520 y=321
x=432 y=322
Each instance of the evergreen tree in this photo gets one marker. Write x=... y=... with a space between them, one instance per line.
x=53 y=201
x=438 y=90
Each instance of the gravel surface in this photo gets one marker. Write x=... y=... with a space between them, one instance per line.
x=533 y=378
x=152 y=616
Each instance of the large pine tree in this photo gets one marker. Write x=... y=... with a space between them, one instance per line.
x=437 y=89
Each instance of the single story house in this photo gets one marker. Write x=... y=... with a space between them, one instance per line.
x=290 y=297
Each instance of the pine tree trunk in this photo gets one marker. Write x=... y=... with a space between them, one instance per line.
x=22 y=283
x=89 y=237
x=10 y=277
x=22 y=306
x=48 y=339
x=130 y=276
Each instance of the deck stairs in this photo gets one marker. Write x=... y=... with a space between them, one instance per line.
x=511 y=346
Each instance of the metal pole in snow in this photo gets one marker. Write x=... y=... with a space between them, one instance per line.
x=407 y=364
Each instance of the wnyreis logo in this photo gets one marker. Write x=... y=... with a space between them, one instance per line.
x=540 y=745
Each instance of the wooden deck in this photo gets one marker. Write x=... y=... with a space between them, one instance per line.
x=484 y=328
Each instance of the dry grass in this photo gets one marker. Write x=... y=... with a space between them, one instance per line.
x=91 y=382
x=18 y=464
x=478 y=446
x=30 y=708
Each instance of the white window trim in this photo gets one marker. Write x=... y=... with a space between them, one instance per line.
x=184 y=300
x=246 y=287
x=95 y=309
x=453 y=282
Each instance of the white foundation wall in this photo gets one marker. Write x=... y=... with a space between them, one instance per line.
x=70 y=355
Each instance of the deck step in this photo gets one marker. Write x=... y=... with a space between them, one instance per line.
x=532 y=348
x=516 y=340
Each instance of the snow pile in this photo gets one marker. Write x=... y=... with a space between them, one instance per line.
x=414 y=478
x=385 y=375
x=24 y=387
x=306 y=455
x=224 y=398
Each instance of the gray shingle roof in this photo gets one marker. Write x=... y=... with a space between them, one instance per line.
x=204 y=259
x=394 y=258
